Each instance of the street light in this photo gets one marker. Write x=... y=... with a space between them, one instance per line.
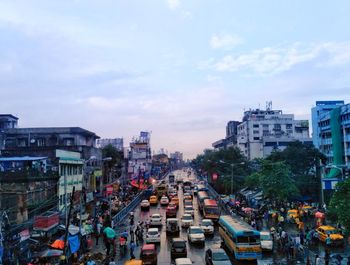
x=337 y=167
x=232 y=165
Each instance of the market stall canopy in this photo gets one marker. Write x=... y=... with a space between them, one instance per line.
x=49 y=253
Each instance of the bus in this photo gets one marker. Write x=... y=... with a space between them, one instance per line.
x=240 y=238
x=161 y=189
x=201 y=187
x=201 y=196
x=211 y=209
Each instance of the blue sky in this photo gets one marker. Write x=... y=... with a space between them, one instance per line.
x=178 y=68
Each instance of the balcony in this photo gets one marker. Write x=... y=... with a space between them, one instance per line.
x=27 y=175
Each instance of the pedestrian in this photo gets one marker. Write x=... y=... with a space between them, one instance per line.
x=132 y=248
x=302 y=237
x=328 y=241
x=326 y=257
x=90 y=261
x=132 y=235
x=112 y=262
x=317 y=260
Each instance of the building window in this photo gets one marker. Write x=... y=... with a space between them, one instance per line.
x=277 y=127
x=256 y=132
x=40 y=141
x=68 y=141
x=289 y=126
x=256 y=138
x=22 y=142
x=255 y=125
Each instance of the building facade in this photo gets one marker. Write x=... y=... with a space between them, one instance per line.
x=230 y=138
x=321 y=109
x=7 y=121
x=264 y=131
x=118 y=143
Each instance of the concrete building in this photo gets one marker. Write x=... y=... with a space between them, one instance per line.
x=263 y=131
x=118 y=143
x=230 y=138
x=7 y=121
x=320 y=110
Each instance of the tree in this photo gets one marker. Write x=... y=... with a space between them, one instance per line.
x=109 y=151
x=274 y=179
x=303 y=160
x=340 y=203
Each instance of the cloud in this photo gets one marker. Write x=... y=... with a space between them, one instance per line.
x=275 y=60
x=173 y=4
x=219 y=41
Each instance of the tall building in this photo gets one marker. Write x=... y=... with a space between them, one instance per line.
x=263 y=131
x=319 y=111
x=118 y=143
x=231 y=136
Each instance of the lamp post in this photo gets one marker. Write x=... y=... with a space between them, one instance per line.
x=232 y=166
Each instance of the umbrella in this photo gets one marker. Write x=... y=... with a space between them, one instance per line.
x=319 y=215
x=49 y=253
x=247 y=210
x=109 y=232
x=124 y=234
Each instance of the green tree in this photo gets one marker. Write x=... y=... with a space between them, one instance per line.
x=274 y=179
x=340 y=204
x=303 y=160
x=116 y=157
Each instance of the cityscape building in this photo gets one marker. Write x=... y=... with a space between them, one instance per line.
x=264 y=131
x=118 y=143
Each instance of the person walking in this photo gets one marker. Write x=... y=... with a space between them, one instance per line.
x=132 y=249
x=328 y=242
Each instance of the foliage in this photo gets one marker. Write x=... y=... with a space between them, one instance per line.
x=220 y=162
x=340 y=203
x=303 y=160
x=274 y=179
x=109 y=151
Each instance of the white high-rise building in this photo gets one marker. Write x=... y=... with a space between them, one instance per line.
x=263 y=131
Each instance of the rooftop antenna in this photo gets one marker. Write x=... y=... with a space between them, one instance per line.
x=269 y=105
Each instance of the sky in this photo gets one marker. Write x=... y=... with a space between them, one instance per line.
x=180 y=69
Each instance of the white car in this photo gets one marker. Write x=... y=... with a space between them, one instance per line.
x=145 y=205
x=152 y=236
x=186 y=220
x=207 y=226
x=266 y=241
x=196 y=235
x=189 y=210
x=164 y=200
x=156 y=219
x=183 y=261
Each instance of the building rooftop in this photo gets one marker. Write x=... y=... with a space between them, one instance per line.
x=77 y=130
x=8 y=116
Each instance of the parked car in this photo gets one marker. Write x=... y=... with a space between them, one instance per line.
x=171 y=210
x=326 y=230
x=178 y=248
x=189 y=210
x=145 y=205
x=172 y=226
x=148 y=254
x=216 y=257
x=164 y=200
x=152 y=236
x=195 y=235
x=183 y=261
x=266 y=241
x=153 y=200
x=207 y=226
x=186 y=220
x=156 y=219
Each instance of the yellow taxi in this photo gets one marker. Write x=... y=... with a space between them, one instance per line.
x=293 y=216
x=175 y=200
x=153 y=200
x=134 y=262
x=324 y=231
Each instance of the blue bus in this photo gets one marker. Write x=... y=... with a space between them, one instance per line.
x=240 y=238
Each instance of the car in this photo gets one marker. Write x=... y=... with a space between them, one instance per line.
x=207 y=226
x=196 y=234
x=325 y=231
x=153 y=200
x=171 y=210
x=189 y=209
x=216 y=256
x=186 y=220
x=266 y=241
x=172 y=226
x=175 y=200
x=156 y=219
x=187 y=196
x=164 y=200
x=172 y=193
x=149 y=254
x=145 y=205
x=152 y=236
x=178 y=248
x=188 y=202
x=183 y=261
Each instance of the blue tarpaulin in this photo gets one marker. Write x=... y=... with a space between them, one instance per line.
x=74 y=243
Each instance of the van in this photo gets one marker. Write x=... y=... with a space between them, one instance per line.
x=172 y=226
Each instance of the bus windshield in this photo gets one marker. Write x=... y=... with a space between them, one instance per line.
x=252 y=240
x=212 y=210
